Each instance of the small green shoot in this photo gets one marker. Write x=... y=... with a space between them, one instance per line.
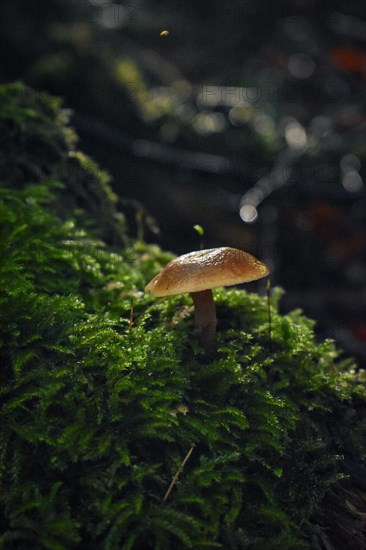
x=201 y=232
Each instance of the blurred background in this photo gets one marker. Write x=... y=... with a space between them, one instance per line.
x=245 y=117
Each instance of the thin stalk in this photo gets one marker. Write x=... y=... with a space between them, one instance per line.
x=269 y=315
x=179 y=471
x=205 y=318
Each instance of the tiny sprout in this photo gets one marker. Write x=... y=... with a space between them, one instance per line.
x=199 y=230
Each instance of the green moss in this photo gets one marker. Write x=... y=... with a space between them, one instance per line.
x=97 y=416
x=36 y=145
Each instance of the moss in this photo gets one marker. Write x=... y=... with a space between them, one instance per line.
x=37 y=145
x=98 y=415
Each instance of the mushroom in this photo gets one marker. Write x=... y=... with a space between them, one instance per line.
x=197 y=273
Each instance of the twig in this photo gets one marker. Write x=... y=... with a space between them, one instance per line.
x=131 y=316
x=175 y=478
x=269 y=315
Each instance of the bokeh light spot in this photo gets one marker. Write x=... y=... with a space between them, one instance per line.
x=301 y=65
x=352 y=181
x=248 y=213
x=350 y=162
x=295 y=135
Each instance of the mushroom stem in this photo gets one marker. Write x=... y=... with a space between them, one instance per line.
x=205 y=318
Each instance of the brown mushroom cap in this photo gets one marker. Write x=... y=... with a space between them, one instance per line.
x=206 y=269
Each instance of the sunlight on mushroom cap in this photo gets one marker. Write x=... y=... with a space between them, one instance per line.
x=206 y=269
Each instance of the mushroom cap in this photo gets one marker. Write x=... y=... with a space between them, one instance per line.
x=206 y=269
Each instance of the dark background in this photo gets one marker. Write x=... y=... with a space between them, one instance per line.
x=244 y=117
